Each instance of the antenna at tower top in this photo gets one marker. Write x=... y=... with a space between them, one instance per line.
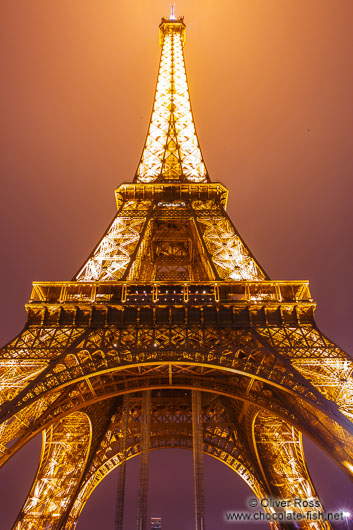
x=172 y=13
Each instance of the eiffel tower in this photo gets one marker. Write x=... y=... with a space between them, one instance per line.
x=172 y=335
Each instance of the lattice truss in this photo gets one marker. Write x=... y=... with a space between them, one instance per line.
x=99 y=363
x=142 y=508
x=105 y=349
x=65 y=446
x=224 y=438
x=110 y=259
x=281 y=456
x=197 y=436
x=172 y=427
x=127 y=242
x=21 y=362
x=319 y=360
x=230 y=256
x=21 y=422
x=171 y=150
x=111 y=347
x=136 y=271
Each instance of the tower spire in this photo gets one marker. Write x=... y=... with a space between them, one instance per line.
x=171 y=222
x=172 y=151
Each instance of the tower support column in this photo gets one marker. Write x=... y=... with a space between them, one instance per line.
x=120 y=499
x=199 y=487
x=141 y=523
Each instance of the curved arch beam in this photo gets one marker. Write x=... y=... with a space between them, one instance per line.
x=303 y=414
x=101 y=351
x=172 y=421
x=64 y=453
x=280 y=454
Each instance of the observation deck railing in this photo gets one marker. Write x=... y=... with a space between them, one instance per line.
x=170 y=292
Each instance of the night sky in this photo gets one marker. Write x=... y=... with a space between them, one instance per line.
x=271 y=85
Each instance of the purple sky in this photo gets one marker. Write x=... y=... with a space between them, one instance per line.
x=271 y=87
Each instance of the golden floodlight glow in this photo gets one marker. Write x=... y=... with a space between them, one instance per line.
x=172 y=150
x=171 y=298
x=348 y=466
x=171 y=156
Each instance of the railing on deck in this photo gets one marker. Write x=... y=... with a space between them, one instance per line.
x=169 y=292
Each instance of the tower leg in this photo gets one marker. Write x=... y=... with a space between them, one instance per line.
x=64 y=452
x=280 y=454
x=141 y=523
x=199 y=490
x=119 y=517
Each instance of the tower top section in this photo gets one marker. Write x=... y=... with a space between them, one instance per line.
x=172 y=152
x=172 y=25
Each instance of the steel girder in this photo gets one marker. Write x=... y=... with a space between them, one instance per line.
x=226 y=436
x=246 y=367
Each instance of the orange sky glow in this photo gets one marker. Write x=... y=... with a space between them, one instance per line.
x=271 y=85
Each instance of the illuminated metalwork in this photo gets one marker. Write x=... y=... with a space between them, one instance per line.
x=113 y=254
x=120 y=499
x=172 y=150
x=228 y=253
x=171 y=304
x=142 y=508
x=64 y=453
x=197 y=437
x=284 y=470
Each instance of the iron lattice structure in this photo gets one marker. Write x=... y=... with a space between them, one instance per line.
x=172 y=310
